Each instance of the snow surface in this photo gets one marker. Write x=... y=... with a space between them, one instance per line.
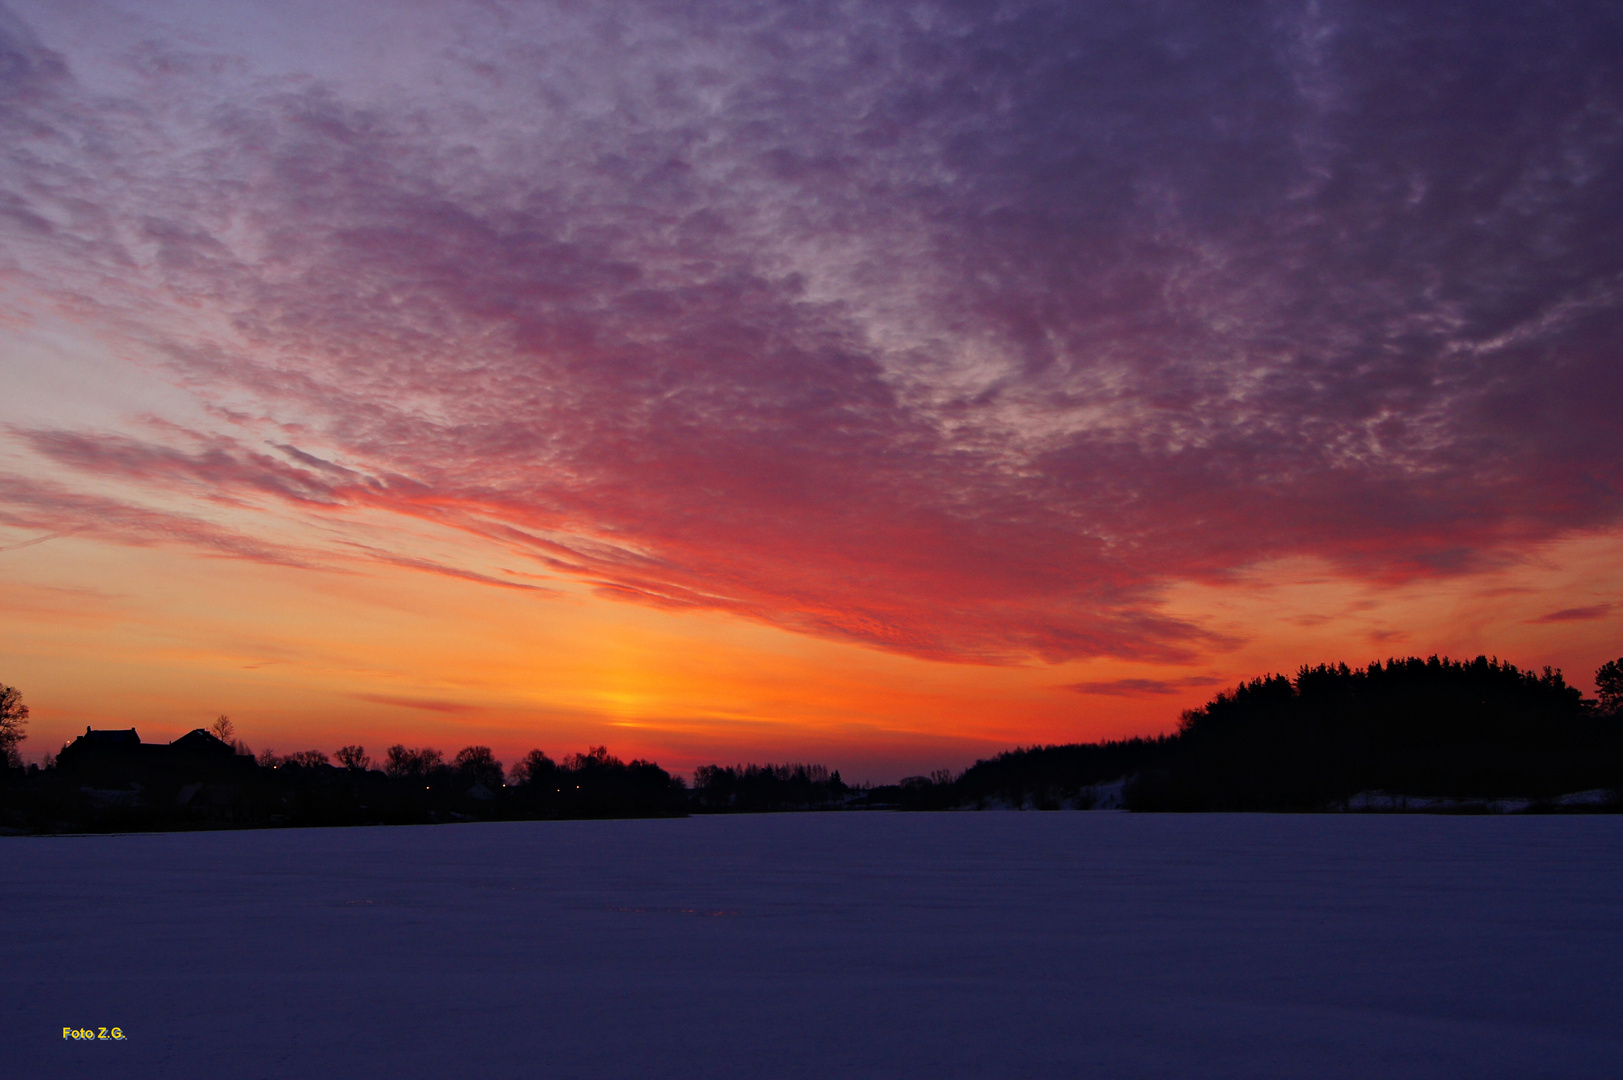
x=826 y=945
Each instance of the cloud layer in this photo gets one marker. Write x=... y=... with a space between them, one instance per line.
x=960 y=330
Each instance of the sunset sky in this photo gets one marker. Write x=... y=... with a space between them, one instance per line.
x=878 y=384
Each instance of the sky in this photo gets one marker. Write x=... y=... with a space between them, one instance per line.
x=876 y=384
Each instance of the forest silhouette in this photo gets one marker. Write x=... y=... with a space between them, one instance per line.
x=1425 y=728
x=1467 y=732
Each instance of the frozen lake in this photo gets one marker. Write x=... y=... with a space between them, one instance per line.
x=833 y=945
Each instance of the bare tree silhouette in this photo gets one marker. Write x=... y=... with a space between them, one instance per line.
x=13 y=718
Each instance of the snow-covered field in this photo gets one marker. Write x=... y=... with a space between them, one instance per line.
x=826 y=945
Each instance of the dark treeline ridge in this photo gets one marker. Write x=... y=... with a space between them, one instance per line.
x=110 y=781
x=1038 y=777
x=1475 y=729
x=755 y=788
x=1324 y=740
x=1427 y=728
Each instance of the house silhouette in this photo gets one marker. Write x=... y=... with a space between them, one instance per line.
x=118 y=757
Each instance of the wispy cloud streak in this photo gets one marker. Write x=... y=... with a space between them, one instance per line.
x=428 y=704
x=1141 y=687
x=1576 y=614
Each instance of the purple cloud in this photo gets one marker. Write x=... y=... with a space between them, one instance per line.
x=1576 y=614
x=1140 y=687
x=958 y=333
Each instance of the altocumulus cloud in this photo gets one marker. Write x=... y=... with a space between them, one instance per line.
x=960 y=330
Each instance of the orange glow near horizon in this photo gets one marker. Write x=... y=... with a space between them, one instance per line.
x=162 y=639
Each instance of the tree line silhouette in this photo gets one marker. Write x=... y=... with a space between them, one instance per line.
x=756 y=788
x=1467 y=730
x=1478 y=729
x=110 y=781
